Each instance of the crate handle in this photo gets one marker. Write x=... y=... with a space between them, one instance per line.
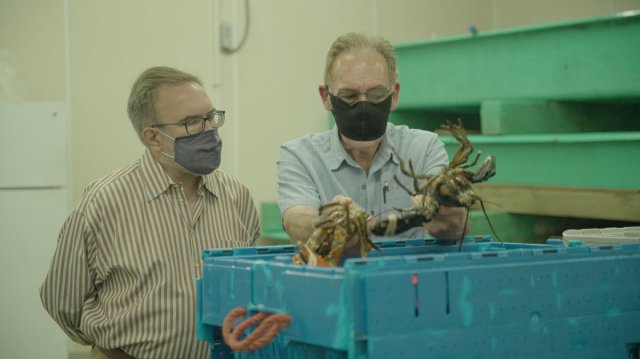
x=269 y=325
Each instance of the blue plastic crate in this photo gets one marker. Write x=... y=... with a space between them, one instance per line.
x=422 y=299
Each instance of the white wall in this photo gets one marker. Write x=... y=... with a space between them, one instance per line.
x=269 y=87
x=87 y=53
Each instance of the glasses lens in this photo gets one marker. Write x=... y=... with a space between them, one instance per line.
x=198 y=125
x=377 y=95
x=195 y=126
x=349 y=99
x=218 y=118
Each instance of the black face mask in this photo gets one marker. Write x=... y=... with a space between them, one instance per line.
x=364 y=121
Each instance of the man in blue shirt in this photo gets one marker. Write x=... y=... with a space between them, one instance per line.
x=354 y=160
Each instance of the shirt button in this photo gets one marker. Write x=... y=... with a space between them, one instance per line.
x=364 y=186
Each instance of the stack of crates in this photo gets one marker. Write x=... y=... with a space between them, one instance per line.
x=424 y=299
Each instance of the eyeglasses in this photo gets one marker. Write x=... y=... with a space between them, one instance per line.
x=196 y=125
x=374 y=95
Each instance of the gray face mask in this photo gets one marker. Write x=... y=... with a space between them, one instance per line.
x=200 y=153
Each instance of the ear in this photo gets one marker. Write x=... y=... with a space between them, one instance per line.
x=394 y=99
x=150 y=138
x=324 y=95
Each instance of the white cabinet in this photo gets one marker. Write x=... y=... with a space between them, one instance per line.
x=34 y=199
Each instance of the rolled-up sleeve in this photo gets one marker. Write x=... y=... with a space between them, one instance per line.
x=68 y=281
x=295 y=184
x=435 y=157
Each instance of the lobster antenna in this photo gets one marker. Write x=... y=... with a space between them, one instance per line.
x=489 y=222
x=466 y=219
x=494 y=203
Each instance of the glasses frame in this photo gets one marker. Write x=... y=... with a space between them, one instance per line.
x=351 y=104
x=210 y=116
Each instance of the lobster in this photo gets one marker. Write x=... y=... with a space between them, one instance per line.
x=339 y=222
x=452 y=186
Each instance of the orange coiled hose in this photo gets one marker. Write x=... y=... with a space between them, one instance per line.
x=269 y=326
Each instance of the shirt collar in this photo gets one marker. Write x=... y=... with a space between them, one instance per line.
x=385 y=152
x=211 y=183
x=340 y=155
x=157 y=181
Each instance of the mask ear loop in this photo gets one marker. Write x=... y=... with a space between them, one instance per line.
x=155 y=129
x=174 y=140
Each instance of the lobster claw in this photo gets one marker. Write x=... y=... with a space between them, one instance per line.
x=393 y=224
x=307 y=256
x=486 y=170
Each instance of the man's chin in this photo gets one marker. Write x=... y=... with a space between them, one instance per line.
x=363 y=143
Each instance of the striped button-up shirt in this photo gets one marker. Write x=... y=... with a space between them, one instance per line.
x=124 y=270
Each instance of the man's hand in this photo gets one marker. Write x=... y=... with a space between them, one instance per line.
x=352 y=245
x=300 y=222
x=449 y=223
x=340 y=199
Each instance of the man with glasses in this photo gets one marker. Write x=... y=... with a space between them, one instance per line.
x=122 y=278
x=354 y=161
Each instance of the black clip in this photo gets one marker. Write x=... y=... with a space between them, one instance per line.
x=385 y=189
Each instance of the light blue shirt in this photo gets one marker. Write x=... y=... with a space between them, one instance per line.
x=315 y=168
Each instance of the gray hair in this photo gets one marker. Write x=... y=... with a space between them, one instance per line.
x=143 y=94
x=359 y=41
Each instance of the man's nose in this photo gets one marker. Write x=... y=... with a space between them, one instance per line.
x=362 y=97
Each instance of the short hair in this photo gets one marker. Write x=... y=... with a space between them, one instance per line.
x=359 y=41
x=143 y=94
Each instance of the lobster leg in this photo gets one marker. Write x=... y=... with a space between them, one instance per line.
x=413 y=174
x=409 y=173
x=465 y=149
x=411 y=193
x=473 y=163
